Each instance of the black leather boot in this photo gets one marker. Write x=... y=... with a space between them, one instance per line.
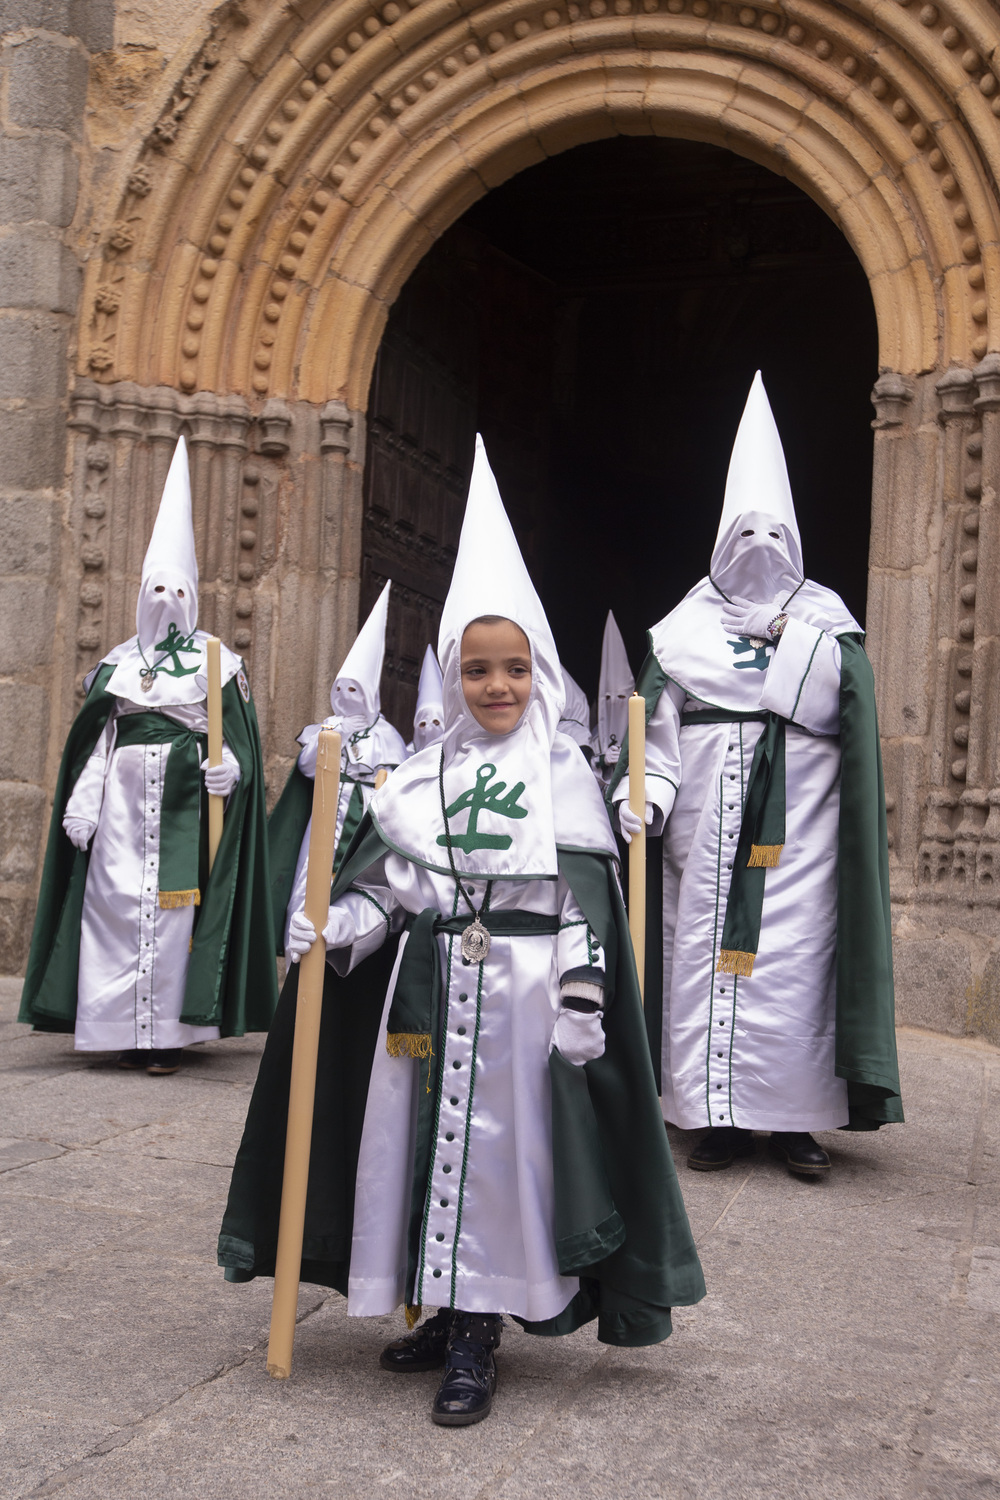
x=423 y=1349
x=801 y=1154
x=470 y=1376
x=719 y=1148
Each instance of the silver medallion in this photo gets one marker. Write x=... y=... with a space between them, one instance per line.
x=146 y=679
x=475 y=942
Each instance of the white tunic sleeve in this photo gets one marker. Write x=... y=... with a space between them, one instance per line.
x=663 y=757
x=803 y=679
x=580 y=956
x=87 y=796
x=375 y=912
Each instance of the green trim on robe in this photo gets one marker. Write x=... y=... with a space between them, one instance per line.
x=865 y=1004
x=620 y=1219
x=232 y=938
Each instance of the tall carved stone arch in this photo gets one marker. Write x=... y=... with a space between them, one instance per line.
x=306 y=156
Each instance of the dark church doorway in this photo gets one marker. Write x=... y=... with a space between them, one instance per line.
x=599 y=319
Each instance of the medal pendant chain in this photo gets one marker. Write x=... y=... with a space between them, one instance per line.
x=475 y=937
x=148 y=677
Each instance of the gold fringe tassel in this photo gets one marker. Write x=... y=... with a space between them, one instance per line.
x=412 y=1317
x=408 y=1044
x=764 y=856
x=732 y=961
x=170 y=899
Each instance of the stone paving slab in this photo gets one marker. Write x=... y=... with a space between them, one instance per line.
x=847 y=1349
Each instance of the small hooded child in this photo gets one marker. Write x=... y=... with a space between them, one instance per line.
x=488 y=1139
x=369 y=745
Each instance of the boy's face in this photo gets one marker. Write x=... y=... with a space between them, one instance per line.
x=496 y=674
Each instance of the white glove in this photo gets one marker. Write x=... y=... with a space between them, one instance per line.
x=220 y=780
x=611 y=755
x=338 y=932
x=744 y=617
x=579 y=1035
x=79 y=831
x=631 y=822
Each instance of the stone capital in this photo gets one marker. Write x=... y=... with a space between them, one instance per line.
x=275 y=424
x=890 y=398
x=336 y=421
x=956 y=391
x=987 y=376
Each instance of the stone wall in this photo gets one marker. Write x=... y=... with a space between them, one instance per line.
x=45 y=51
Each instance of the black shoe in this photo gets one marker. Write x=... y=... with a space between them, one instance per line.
x=470 y=1376
x=163 y=1060
x=423 y=1349
x=800 y=1152
x=719 y=1148
x=132 y=1060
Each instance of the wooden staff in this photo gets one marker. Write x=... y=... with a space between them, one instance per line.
x=381 y=777
x=305 y=1050
x=637 y=848
x=216 y=805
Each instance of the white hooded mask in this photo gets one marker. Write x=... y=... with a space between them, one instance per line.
x=617 y=686
x=514 y=832
x=763 y=566
x=356 y=703
x=428 y=721
x=575 y=719
x=354 y=696
x=164 y=662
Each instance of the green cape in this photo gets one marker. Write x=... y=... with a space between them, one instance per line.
x=620 y=1223
x=232 y=933
x=865 y=1006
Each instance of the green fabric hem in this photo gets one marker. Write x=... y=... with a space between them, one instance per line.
x=588 y=1246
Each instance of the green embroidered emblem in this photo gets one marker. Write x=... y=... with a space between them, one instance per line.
x=484 y=798
x=173 y=644
x=760 y=656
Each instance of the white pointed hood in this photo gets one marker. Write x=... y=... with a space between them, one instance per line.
x=354 y=696
x=428 y=721
x=758 y=500
x=616 y=687
x=166 y=642
x=168 y=587
x=514 y=832
x=575 y=719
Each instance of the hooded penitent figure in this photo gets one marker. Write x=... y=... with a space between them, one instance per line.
x=616 y=687
x=428 y=720
x=474 y=1168
x=575 y=720
x=135 y=948
x=369 y=744
x=763 y=773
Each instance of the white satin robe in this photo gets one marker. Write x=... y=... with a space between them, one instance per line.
x=487 y=1239
x=756 y=1053
x=133 y=952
